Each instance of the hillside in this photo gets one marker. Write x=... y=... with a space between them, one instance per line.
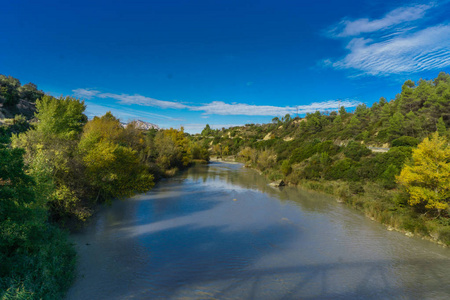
x=17 y=99
x=339 y=153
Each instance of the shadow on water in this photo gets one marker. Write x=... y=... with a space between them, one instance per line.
x=187 y=256
x=189 y=239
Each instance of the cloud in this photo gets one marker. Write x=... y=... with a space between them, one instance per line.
x=212 y=108
x=426 y=49
x=222 y=108
x=124 y=113
x=85 y=93
x=129 y=99
x=197 y=127
x=398 y=43
x=398 y=16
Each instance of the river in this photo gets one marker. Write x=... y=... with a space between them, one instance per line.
x=218 y=231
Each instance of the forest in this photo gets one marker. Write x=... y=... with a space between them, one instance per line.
x=56 y=167
x=390 y=160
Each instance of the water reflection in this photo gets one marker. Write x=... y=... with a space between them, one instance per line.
x=219 y=232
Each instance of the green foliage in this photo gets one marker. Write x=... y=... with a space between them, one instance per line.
x=355 y=151
x=112 y=167
x=63 y=117
x=9 y=93
x=408 y=141
x=56 y=171
x=266 y=160
x=207 y=130
x=37 y=261
x=286 y=167
x=29 y=92
x=440 y=127
x=304 y=152
x=344 y=169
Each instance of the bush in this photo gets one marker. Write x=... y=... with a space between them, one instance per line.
x=343 y=169
x=356 y=188
x=286 y=167
x=405 y=141
x=444 y=235
x=355 y=151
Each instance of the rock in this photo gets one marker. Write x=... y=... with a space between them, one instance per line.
x=277 y=183
x=268 y=137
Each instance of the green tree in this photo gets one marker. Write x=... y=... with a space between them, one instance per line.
x=112 y=167
x=63 y=117
x=37 y=261
x=396 y=125
x=9 y=93
x=440 y=127
x=206 y=131
x=29 y=92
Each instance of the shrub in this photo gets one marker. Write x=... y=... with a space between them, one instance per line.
x=405 y=141
x=355 y=151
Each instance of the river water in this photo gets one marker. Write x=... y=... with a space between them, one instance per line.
x=219 y=231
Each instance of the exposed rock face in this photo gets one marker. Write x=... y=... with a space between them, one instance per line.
x=277 y=183
x=268 y=136
x=22 y=108
x=142 y=125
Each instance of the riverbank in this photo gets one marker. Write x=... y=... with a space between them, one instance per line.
x=219 y=231
x=388 y=207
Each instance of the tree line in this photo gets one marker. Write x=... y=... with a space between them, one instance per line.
x=54 y=170
x=329 y=151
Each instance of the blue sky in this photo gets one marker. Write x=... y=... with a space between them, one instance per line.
x=188 y=63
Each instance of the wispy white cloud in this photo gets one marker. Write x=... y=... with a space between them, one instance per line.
x=222 y=108
x=426 y=49
x=124 y=113
x=400 y=42
x=85 y=93
x=198 y=127
x=398 y=16
x=129 y=99
x=212 y=108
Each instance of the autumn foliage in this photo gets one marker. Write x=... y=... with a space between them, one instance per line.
x=427 y=177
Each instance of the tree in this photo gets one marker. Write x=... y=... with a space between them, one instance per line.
x=287 y=118
x=9 y=86
x=51 y=154
x=396 y=125
x=63 y=117
x=342 y=111
x=427 y=177
x=206 y=131
x=30 y=92
x=37 y=261
x=112 y=167
x=440 y=127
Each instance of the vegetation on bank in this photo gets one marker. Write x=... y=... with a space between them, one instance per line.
x=406 y=186
x=55 y=168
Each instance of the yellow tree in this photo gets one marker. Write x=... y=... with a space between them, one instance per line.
x=427 y=177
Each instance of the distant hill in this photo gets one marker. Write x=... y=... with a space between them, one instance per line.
x=142 y=125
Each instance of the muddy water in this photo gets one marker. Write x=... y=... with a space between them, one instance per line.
x=219 y=232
